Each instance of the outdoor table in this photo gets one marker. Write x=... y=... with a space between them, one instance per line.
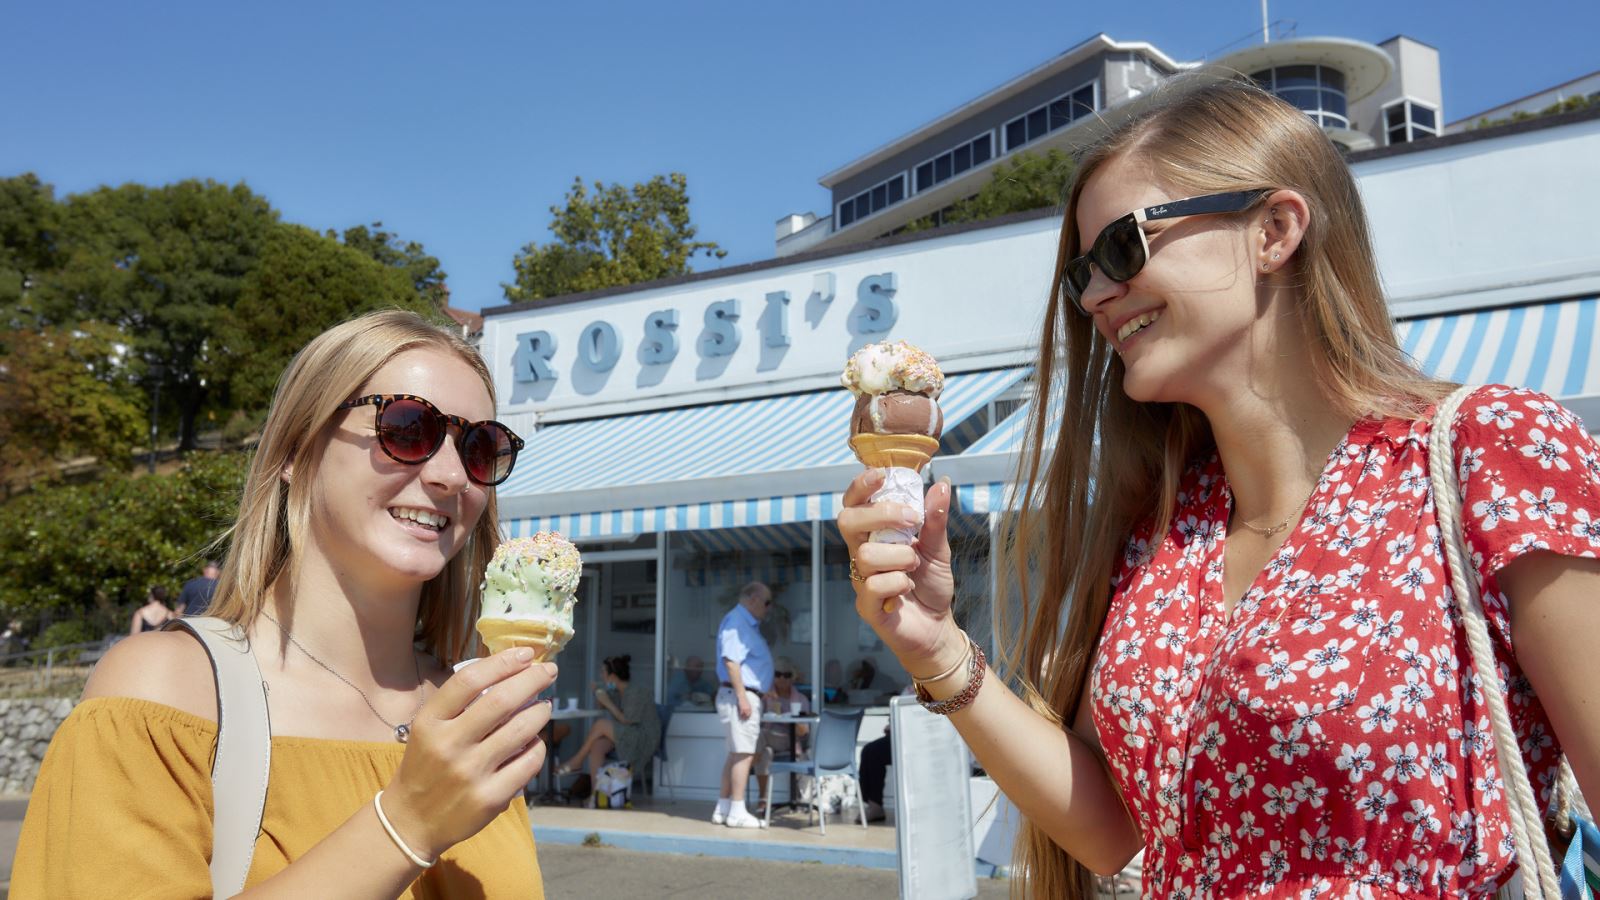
x=557 y=714
x=794 y=744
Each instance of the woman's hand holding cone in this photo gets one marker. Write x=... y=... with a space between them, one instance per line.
x=908 y=588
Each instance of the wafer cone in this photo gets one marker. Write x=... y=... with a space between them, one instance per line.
x=905 y=451
x=501 y=634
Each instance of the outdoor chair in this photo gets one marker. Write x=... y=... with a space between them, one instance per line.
x=833 y=752
x=662 y=764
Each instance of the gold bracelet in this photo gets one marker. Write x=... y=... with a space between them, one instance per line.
x=965 y=652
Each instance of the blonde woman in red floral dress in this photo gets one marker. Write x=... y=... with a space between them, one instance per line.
x=1235 y=643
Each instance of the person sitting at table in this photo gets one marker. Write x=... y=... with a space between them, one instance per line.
x=634 y=729
x=780 y=740
x=689 y=681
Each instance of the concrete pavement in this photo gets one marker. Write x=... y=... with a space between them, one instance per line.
x=596 y=873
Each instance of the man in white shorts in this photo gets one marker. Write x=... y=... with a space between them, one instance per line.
x=744 y=664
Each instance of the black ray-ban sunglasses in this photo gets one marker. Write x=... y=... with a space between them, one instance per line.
x=1122 y=248
x=411 y=430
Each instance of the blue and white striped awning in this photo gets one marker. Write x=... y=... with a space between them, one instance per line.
x=749 y=462
x=1549 y=347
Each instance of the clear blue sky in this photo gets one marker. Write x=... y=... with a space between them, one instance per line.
x=459 y=124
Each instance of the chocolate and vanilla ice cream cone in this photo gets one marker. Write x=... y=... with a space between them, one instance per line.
x=896 y=423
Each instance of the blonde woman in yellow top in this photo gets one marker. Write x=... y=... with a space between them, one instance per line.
x=366 y=518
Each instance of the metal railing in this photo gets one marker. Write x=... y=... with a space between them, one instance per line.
x=38 y=670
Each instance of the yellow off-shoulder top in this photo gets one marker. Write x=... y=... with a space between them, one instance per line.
x=122 y=808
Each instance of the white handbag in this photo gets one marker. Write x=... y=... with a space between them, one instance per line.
x=1527 y=823
x=244 y=751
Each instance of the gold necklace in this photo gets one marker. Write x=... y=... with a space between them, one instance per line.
x=1269 y=532
x=402 y=731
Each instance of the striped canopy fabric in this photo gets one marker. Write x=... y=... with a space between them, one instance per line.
x=1549 y=347
x=785 y=435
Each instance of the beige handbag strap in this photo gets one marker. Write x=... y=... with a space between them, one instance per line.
x=1537 y=868
x=244 y=751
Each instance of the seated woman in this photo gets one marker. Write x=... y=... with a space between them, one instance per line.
x=779 y=740
x=634 y=729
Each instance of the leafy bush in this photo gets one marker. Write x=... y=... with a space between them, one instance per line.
x=62 y=634
x=80 y=550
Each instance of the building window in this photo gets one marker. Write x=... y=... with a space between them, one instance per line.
x=871 y=200
x=951 y=163
x=1408 y=120
x=1318 y=91
x=1058 y=113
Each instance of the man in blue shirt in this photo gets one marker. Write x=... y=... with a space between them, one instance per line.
x=744 y=666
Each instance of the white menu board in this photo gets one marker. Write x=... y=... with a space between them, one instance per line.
x=933 y=805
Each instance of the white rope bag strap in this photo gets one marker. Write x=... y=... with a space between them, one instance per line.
x=1538 y=871
x=244 y=751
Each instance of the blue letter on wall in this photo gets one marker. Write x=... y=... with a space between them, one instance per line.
x=660 y=337
x=875 y=311
x=722 y=328
x=531 y=362
x=598 y=348
x=775 y=321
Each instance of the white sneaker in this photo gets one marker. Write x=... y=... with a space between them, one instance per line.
x=718 y=817
x=743 y=819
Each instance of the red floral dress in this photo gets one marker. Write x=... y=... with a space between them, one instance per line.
x=1327 y=739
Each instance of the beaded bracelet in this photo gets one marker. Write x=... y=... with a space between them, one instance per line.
x=395 y=835
x=977 y=665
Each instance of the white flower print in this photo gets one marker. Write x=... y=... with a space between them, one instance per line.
x=1500 y=413
x=1280 y=800
x=1548 y=451
x=1240 y=782
x=1311 y=621
x=1363 y=615
x=1378 y=713
x=1307 y=791
x=1165 y=684
x=1473 y=737
x=1348 y=854
x=1550 y=415
x=1543 y=506
x=1275 y=860
x=1471 y=462
x=1401 y=547
x=1422 y=819
x=1528 y=541
x=1377 y=801
x=1172 y=637
x=1345 y=541
x=1585 y=527
x=1351 y=578
x=1277 y=670
x=1498 y=507
x=1415 y=579
x=1413 y=694
x=1410 y=874
x=1404 y=763
x=1440 y=768
x=1286 y=745
x=1330 y=657
x=1130 y=648
x=1248 y=827
x=1356 y=760
x=1414 y=481
x=1314 y=846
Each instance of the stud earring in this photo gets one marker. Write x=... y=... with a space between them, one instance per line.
x=1274 y=256
x=1263 y=267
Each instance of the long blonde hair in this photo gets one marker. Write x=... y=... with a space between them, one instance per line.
x=274 y=517
x=1112 y=463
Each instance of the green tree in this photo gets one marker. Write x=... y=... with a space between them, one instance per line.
x=408 y=256
x=63 y=395
x=163 y=265
x=1024 y=182
x=614 y=236
x=302 y=284
x=29 y=222
x=72 y=549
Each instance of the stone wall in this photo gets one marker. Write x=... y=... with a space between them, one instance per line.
x=26 y=727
